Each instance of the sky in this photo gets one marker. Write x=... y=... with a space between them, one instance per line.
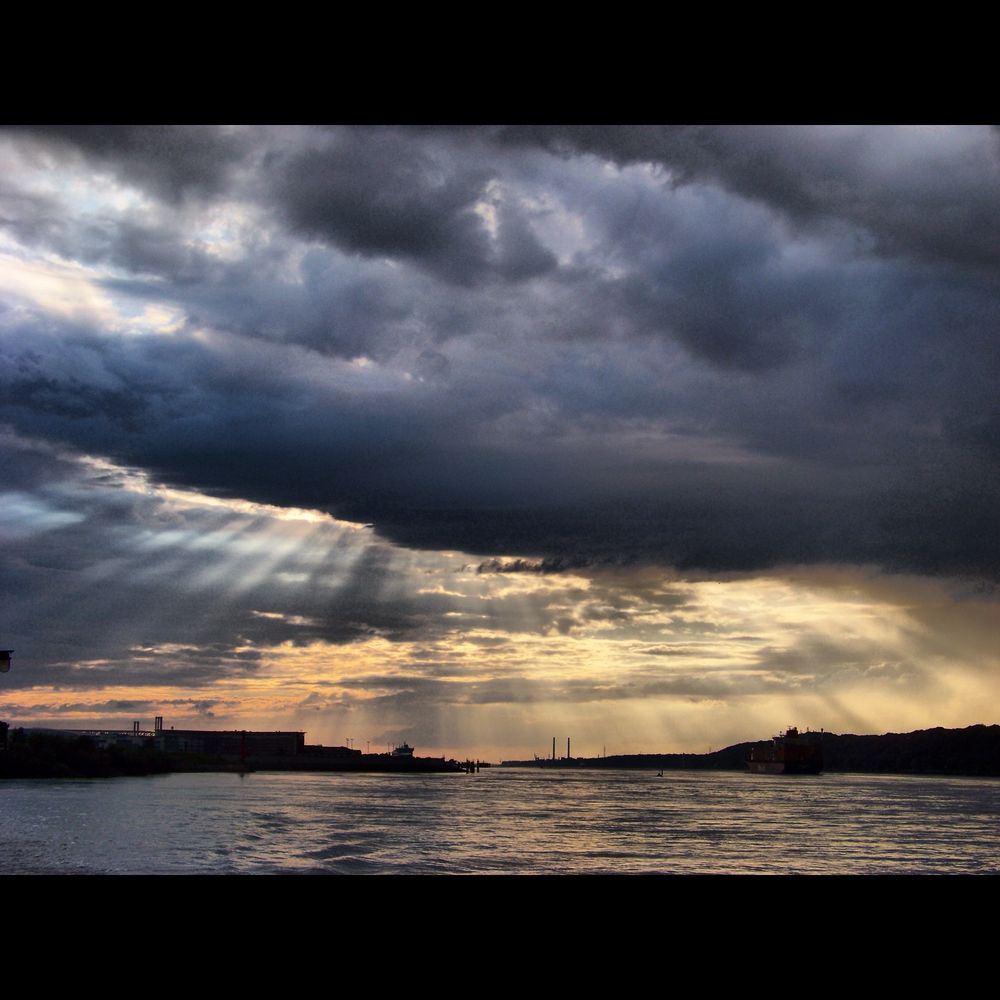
x=658 y=438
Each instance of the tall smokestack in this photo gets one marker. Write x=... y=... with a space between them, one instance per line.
x=567 y=748
x=553 y=748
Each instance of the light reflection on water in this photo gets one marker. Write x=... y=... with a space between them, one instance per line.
x=502 y=821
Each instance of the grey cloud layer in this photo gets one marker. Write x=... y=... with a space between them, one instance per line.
x=103 y=584
x=722 y=349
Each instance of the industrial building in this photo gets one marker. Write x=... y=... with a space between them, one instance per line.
x=210 y=742
x=225 y=743
x=208 y=749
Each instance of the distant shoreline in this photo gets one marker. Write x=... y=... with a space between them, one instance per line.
x=35 y=755
x=972 y=752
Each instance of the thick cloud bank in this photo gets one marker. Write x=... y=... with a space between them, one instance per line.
x=719 y=349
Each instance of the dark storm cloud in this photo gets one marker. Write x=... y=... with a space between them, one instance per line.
x=912 y=192
x=730 y=350
x=66 y=371
x=104 y=584
x=384 y=193
x=74 y=399
x=353 y=458
x=170 y=160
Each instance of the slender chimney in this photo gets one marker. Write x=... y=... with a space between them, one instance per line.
x=135 y=728
x=553 y=748
x=567 y=748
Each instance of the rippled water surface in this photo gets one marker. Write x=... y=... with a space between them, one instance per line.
x=502 y=821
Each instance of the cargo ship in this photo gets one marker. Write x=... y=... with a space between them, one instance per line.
x=793 y=753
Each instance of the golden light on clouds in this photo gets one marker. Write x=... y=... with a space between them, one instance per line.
x=444 y=650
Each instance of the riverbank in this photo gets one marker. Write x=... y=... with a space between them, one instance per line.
x=973 y=751
x=44 y=755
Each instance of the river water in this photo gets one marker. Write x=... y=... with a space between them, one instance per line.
x=502 y=821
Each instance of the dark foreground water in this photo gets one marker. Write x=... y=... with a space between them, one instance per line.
x=501 y=821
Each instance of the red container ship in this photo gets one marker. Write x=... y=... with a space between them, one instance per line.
x=793 y=753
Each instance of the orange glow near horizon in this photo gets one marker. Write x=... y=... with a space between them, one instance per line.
x=493 y=664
